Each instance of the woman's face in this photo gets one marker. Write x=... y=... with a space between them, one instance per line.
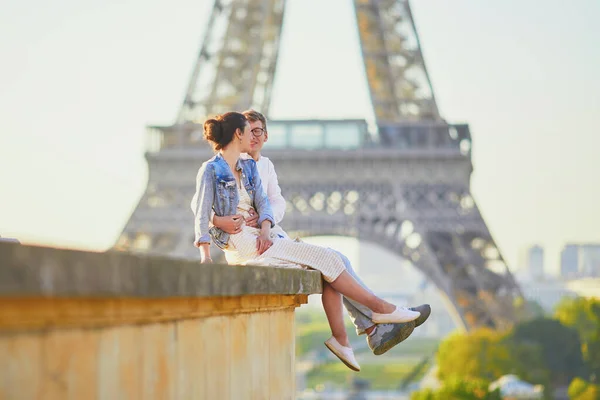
x=246 y=142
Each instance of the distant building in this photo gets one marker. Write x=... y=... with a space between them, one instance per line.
x=590 y=260
x=535 y=262
x=580 y=261
x=511 y=387
x=586 y=287
x=547 y=293
x=569 y=259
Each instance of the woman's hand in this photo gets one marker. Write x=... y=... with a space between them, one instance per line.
x=253 y=220
x=263 y=242
x=231 y=224
x=205 y=253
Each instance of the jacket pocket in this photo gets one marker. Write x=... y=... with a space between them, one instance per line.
x=226 y=189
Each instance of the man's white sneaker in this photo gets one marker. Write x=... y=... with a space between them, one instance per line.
x=345 y=354
x=400 y=314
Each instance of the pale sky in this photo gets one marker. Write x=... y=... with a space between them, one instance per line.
x=80 y=79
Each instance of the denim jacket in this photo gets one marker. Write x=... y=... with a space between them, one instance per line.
x=216 y=191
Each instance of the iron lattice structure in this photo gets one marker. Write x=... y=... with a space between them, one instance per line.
x=404 y=185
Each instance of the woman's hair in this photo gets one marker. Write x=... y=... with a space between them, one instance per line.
x=219 y=131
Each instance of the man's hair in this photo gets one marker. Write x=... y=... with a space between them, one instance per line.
x=253 y=116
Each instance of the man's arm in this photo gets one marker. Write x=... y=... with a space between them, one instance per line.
x=231 y=224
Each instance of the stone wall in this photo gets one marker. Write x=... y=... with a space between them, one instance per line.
x=82 y=325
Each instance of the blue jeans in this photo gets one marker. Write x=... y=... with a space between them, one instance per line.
x=360 y=314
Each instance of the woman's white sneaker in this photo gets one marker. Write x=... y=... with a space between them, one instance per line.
x=345 y=354
x=400 y=314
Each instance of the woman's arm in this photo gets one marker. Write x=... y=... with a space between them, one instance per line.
x=263 y=207
x=271 y=186
x=205 y=253
x=202 y=204
x=263 y=242
x=274 y=194
x=261 y=200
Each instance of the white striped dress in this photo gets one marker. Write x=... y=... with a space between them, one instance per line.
x=286 y=253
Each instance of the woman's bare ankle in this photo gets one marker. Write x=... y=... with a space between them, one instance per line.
x=343 y=340
x=385 y=308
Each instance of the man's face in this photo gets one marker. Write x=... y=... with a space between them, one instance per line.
x=259 y=136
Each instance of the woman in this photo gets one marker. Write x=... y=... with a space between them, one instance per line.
x=228 y=185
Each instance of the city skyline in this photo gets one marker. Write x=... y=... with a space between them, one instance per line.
x=81 y=80
x=577 y=260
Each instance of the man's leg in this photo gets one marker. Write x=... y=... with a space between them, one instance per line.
x=359 y=314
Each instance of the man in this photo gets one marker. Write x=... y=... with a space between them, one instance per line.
x=266 y=170
x=380 y=338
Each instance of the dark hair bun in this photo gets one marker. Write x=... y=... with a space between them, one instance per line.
x=219 y=131
x=213 y=130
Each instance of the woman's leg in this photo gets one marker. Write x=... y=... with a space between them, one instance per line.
x=332 y=303
x=359 y=313
x=349 y=287
x=333 y=270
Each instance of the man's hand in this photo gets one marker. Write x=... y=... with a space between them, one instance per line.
x=231 y=224
x=263 y=243
x=253 y=220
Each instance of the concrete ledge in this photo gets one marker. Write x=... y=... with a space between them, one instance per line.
x=50 y=313
x=30 y=271
x=81 y=325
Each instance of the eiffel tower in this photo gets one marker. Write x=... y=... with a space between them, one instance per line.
x=405 y=184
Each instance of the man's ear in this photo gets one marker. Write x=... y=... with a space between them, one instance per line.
x=266 y=136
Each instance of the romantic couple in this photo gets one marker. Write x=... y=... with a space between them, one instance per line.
x=238 y=205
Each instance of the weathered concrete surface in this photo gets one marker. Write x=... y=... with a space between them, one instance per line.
x=80 y=325
x=41 y=271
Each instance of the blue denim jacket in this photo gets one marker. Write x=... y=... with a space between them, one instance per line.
x=216 y=191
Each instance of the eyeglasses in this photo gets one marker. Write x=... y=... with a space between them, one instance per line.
x=258 y=132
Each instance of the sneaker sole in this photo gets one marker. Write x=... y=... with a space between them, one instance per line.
x=423 y=317
x=403 y=334
x=332 y=349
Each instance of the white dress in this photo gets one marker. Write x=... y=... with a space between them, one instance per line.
x=286 y=253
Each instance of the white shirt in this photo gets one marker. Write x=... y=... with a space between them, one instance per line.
x=268 y=176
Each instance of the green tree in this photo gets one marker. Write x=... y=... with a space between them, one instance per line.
x=591 y=351
x=528 y=363
x=459 y=389
x=580 y=313
x=527 y=309
x=560 y=347
x=584 y=315
x=582 y=390
x=535 y=309
x=486 y=354
x=481 y=354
